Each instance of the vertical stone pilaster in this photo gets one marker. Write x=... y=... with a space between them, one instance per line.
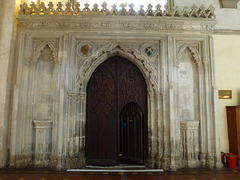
x=82 y=115
x=208 y=116
x=6 y=60
x=151 y=158
x=75 y=131
x=202 y=134
x=216 y=137
x=173 y=95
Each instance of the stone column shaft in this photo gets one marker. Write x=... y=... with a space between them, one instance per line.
x=6 y=58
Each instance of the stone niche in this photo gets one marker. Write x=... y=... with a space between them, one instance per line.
x=61 y=48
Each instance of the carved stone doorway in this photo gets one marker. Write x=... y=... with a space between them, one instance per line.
x=116 y=94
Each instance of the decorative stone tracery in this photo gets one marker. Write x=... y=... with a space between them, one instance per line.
x=193 y=11
x=60 y=51
x=113 y=49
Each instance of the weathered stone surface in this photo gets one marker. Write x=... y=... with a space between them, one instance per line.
x=6 y=58
x=58 y=53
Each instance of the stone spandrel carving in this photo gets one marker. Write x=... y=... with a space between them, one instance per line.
x=192 y=12
x=85 y=49
x=128 y=50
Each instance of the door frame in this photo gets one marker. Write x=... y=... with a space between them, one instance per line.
x=144 y=129
x=153 y=93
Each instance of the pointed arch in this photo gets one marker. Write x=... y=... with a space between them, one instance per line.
x=193 y=51
x=41 y=47
x=116 y=49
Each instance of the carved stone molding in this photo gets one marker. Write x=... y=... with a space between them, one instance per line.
x=190 y=12
x=73 y=95
x=42 y=124
x=111 y=49
x=179 y=19
x=189 y=125
x=105 y=23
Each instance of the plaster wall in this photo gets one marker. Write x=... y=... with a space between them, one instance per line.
x=226 y=49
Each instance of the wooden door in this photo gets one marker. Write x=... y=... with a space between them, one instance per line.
x=114 y=84
x=131 y=142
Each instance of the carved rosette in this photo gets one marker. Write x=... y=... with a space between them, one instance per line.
x=150 y=50
x=190 y=140
x=42 y=142
x=84 y=49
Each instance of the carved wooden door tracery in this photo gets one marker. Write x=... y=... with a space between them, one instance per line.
x=114 y=84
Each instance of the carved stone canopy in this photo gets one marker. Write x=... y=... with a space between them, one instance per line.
x=190 y=19
x=189 y=12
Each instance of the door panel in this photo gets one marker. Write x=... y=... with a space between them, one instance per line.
x=101 y=118
x=113 y=85
x=132 y=146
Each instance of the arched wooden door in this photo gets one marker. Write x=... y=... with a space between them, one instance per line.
x=131 y=136
x=116 y=88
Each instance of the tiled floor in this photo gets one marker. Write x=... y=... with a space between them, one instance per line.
x=184 y=174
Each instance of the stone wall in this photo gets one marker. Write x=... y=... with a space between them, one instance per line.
x=46 y=125
x=49 y=100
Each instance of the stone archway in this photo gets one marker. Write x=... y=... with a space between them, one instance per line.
x=147 y=71
x=113 y=85
x=80 y=45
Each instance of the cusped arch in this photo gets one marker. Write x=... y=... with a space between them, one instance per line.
x=41 y=47
x=192 y=50
x=121 y=50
